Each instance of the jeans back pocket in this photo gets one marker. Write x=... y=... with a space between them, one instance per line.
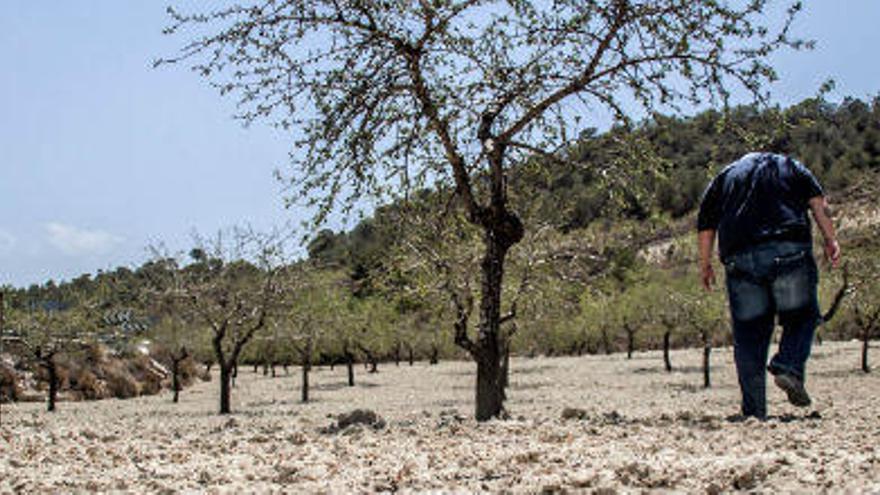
x=794 y=286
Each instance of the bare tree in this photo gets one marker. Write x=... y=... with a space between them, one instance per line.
x=45 y=333
x=177 y=357
x=866 y=305
x=704 y=314
x=231 y=285
x=382 y=97
x=313 y=308
x=439 y=257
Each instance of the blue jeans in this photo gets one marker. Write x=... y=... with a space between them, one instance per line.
x=763 y=282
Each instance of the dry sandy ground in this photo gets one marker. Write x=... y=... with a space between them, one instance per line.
x=643 y=429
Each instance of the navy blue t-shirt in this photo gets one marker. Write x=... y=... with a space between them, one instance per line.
x=760 y=197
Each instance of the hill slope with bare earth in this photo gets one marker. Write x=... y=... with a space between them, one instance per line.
x=629 y=426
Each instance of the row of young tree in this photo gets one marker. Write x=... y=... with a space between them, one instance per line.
x=466 y=98
x=237 y=299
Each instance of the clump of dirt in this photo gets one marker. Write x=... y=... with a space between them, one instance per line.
x=358 y=417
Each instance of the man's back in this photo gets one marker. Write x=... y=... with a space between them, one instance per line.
x=759 y=198
x=758 y=207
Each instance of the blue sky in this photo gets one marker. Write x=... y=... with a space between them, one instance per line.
x=102 y=155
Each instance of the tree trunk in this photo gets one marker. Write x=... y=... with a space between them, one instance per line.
x=176 y=359
x=226 y=375
x=372 y=361
x=256 y=368
x=53 y=382
x=306 y=367
x=865 y=345
x=490 y=392
x=411 y=357
x=397 y=354
x=606 y=342
x=489 y=354
x=435 y=354
x=505 y=371
x=707 y=350
x=273 y=369
x=667 y=337
x=349 y=363
x=208 y=367
x=630 y=341
x=175 y=379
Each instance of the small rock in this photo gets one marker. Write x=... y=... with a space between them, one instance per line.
x=574 y=413
x=613 y=417
x=449 y=417
x=360 y=417
x=551 y=489
x=749 y=479
x=605 y=490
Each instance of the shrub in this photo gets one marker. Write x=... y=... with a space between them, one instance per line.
x=9 y=387
x=85 y=382
x=120 y=383
x=141 y=369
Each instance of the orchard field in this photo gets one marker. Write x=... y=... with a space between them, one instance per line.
x=577 y=424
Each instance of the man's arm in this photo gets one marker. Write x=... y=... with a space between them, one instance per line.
x=706 y=244
x=822 y=215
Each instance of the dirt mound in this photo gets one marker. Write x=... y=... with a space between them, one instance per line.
x=96 y=373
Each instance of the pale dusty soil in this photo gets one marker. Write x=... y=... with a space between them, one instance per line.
x=644 y=430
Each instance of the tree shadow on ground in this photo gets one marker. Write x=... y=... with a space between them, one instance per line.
x=854 y=371
x=821 y=354
x=468 y=372
x=688 y=419
x=532 y=369
x=660 y=369
x=324 y=387
x=696 y=387
x=450 y=403
x=526 y=386
x=796 y=418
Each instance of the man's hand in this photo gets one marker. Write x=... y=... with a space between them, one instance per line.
x=705 y=244
x=707 y=275
x=832 y=252
x=822 y=215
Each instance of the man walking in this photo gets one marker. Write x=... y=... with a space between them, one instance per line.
x=758 y=208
